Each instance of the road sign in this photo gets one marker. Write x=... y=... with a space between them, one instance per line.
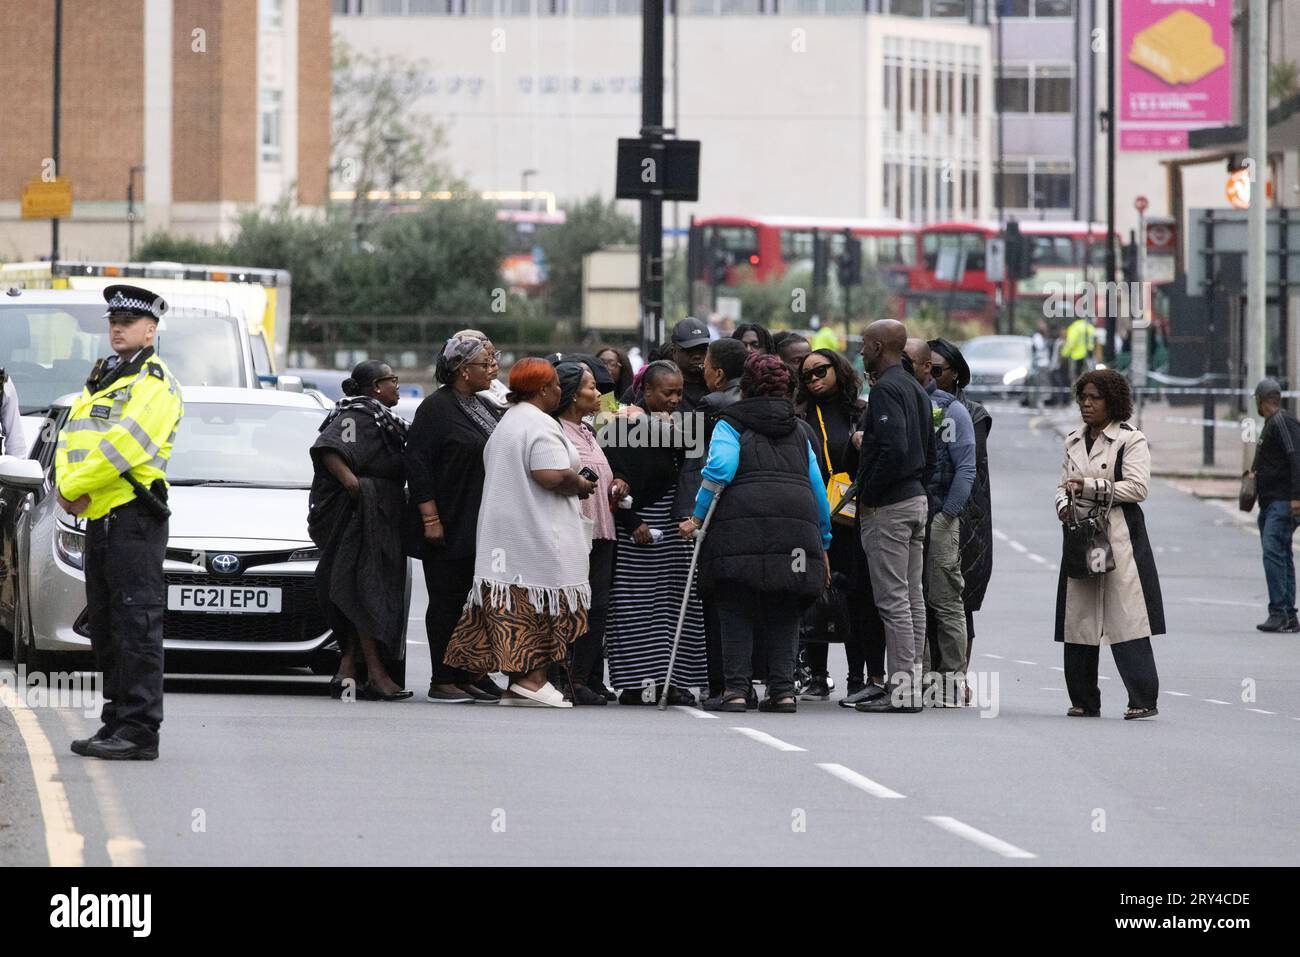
x=47 y=200
x=672 y=173
x=1238 y=189
x=995 y=259
x=1140 y=204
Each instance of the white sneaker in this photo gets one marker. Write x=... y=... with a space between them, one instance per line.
x=547 y=695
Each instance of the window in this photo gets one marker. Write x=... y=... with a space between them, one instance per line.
x=949 y=8
x=1052 y=189
x=1014 y=186
x=907 y=8
x=270 y=126
x=796 y=245
x=1013 y=8
x=1054 y=8
x=1013 y=93
x=1053 y=90
x=272 y=14
x=1051 y=250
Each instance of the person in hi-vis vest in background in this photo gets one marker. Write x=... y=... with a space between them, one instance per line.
x=110 y=469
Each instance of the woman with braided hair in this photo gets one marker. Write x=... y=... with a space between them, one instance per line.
x=764 y=558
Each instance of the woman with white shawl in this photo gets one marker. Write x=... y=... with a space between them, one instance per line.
x=530 y=595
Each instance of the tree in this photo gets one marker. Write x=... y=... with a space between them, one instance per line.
x=381 y=138
x=590 y=224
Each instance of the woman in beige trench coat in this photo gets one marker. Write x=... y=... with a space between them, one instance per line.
x=1121 y=608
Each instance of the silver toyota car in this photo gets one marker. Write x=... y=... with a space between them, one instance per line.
x=240 y=567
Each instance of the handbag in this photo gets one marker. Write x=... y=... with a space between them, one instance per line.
x=827 y=619
x=1087 y=552
x=839 y=484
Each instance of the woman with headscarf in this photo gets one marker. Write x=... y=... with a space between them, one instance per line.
x=763 y=560
x=952 y=375
x=651 y=562
x=355 y=517
x=580 y=398
x=529 y=598
x=444 y=461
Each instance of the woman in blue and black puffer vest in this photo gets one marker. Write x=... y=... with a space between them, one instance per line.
x=763 y=559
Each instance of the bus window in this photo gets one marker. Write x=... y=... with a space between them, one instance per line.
x=796 y=245
x=740 y=241
x=1052 y=251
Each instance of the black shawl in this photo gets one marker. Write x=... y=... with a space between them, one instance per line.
x=361 y=574
x=444 y=463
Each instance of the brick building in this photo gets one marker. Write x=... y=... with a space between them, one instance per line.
x=224 y=103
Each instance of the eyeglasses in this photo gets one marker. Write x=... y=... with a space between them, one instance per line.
x=819 y=372
x=938 y=368
x=385 y=378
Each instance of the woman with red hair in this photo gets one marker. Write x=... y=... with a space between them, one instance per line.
x=530 y=595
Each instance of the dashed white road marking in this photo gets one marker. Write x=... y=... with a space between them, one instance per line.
x=1017 y=546
x=1219 y=601
x=987 y=655
x=1056 y=667
x=1179 y=694
x=1022 y=661
x=976 y=836
x=859 y=781
x=1000 y=535
x=762 y=737
x=694 y=712
x=1213 y=701
x=1261 y=711
x=63 y=844
x=1035 y=557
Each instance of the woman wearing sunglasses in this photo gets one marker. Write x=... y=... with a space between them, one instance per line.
x=828 y=401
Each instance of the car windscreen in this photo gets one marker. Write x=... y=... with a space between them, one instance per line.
x=237 y=444
x=1012 y=350
x=48 y=349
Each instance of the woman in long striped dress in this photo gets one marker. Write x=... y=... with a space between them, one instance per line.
x=652 y=561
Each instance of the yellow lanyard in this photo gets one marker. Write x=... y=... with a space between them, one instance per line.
x=826 y=443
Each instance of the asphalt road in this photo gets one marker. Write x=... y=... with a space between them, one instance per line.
x=270 y=771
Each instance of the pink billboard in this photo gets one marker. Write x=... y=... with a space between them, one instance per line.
x=1175 y=70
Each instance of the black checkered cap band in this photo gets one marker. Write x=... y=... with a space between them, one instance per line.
x=122 y=303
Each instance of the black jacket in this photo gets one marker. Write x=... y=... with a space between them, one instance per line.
x=765 y=533
x=710 y=407
x=650 y=468
x=444 y=462
x=897 y=441
x=1277 y=460
x=977 y=518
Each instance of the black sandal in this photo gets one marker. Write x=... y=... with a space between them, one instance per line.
x=733 y=701
x=1077 y=712
x=1133 y=713
x=786 y=704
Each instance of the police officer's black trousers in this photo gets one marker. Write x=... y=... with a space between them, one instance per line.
x=125 y=596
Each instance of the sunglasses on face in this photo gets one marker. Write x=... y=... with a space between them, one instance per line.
x=938 y=368
x=818 y=372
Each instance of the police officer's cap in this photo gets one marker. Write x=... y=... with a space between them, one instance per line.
x=134 y=301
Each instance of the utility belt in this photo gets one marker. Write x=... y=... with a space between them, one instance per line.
x=152 y=499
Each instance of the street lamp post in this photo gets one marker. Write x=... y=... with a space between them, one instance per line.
x=130 y=211
x=58 y=96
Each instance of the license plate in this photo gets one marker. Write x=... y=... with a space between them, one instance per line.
x=223 y=599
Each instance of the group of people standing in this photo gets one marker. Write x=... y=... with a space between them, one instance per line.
x=556 y=519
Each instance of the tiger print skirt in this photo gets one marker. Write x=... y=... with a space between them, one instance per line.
x=516 y=640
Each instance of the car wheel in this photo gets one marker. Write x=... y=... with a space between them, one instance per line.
x=25 y=650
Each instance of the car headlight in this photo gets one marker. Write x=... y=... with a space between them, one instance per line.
x=305 y=555
x=70 y=545
x=1013 y=376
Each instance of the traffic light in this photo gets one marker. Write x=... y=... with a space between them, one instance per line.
x=1019 y=256
x=849 y=266
x=1130 y=260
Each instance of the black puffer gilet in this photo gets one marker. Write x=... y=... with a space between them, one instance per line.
x=765 y=532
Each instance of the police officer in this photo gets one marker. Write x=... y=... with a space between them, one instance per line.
x=110 y=465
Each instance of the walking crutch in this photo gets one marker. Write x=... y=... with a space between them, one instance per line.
x=698 y=537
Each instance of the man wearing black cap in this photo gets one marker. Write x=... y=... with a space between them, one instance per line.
x=689 y=346
x=111 y=464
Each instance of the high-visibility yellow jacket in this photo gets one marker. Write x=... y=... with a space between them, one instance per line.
x=1080 y=339
x=826 y=338
x=129 y=423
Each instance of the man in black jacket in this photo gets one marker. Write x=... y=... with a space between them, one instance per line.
x=1277 y=484
x=896 y=461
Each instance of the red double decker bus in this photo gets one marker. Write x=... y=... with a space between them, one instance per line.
x=1061 y=252
x=763 y=248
